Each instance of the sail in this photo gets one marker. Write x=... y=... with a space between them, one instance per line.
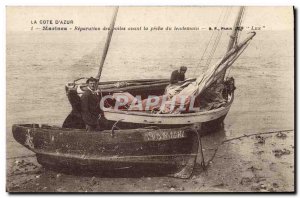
x=214 y=73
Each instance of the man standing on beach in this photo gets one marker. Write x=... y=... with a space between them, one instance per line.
x=178 y=76
x=90 y=108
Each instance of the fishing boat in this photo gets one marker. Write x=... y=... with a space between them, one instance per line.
x=208 y=118
x=135 y=119
x=136 y=139
x=145 y=150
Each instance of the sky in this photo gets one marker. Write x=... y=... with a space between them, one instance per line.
x=272 y=18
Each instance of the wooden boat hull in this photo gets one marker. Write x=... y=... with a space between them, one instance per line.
x=160 y=150
x=165 y=120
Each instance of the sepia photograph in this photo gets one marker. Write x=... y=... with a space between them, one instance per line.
x=151 y=99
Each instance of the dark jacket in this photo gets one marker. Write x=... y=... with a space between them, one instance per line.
x=90 y=108
x=176 y=76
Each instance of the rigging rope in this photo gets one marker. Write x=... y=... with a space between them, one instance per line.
x=210 y=39
x=216 y=43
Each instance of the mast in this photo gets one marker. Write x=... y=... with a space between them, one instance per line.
x=108 y=39
x=233 y=36
x=235 y=30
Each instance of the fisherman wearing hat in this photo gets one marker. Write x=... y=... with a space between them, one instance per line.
x=178 y=75
x=90 y=108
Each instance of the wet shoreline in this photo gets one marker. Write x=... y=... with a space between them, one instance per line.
x=266 y=166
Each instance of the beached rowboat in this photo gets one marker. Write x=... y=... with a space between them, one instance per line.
x=159 y=150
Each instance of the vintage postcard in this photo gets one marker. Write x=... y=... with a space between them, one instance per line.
x=150 y=99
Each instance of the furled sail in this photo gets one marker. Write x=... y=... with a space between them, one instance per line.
x=216 y=72
x=213 y=73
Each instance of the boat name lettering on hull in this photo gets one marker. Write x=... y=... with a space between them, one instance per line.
x=156 y=136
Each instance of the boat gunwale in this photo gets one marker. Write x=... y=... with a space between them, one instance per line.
x=186 y=129
x=158 y=80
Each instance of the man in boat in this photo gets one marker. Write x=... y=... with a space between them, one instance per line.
x=178 y=76
x=177 y=79
x=90 y=109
